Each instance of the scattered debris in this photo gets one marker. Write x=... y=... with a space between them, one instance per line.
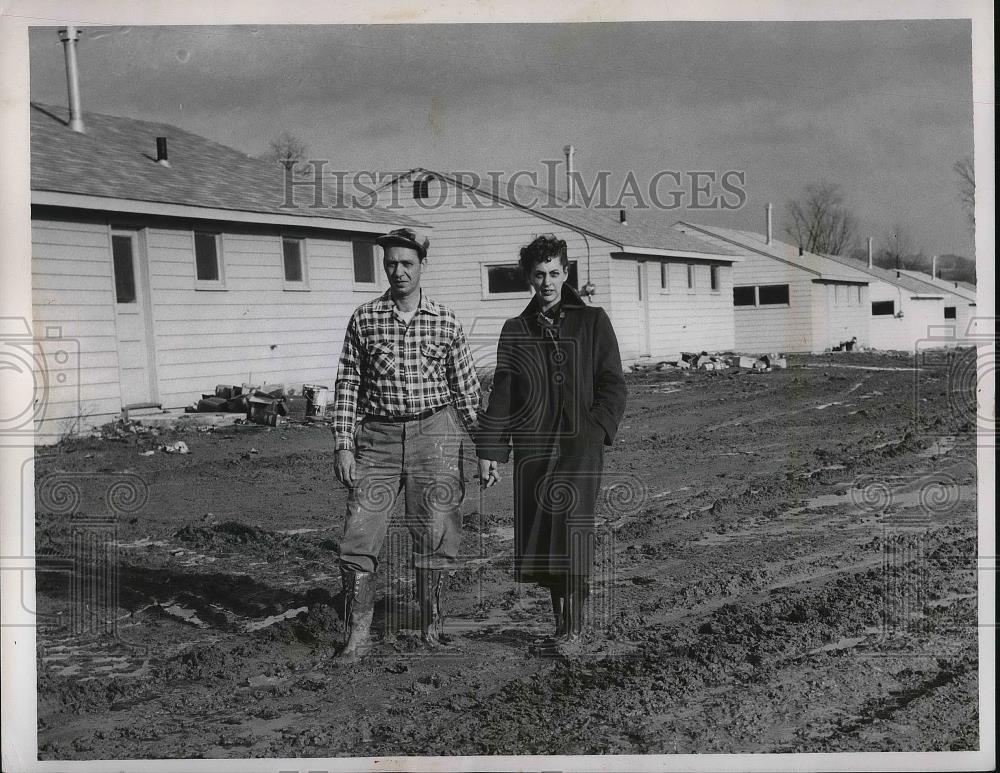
x=150 y=452
x=180 y=447
x=846 y=346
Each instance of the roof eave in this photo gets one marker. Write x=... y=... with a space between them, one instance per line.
x=628 y=251
x=139 y=207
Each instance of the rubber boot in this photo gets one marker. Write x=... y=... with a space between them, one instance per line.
x=558 y=600
x=574 y=616
x=359 y=608
x=430 y=598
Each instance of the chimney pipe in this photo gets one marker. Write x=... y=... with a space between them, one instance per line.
x=161 y=151
x=767 y=209
x=569 y=150
x=934 y=267
x=870 y=264
x=69 y=35
x=621 y=217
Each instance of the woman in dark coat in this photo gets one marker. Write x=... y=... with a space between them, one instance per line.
x=558 y=396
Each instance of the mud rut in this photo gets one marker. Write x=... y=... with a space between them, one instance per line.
x=788 y=564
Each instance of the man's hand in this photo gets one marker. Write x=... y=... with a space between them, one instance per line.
x=489 y=475
x=345 y=468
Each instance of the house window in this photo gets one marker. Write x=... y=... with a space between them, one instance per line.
x=714 y=276
x=364 y=262
x=690 y=276
x=420 y=188
x=638 y=276
x=745 y=295
x=293 y=254
x=507 y=278
x=208 y=259
x=949 y=312
x=665 y=276
x=883 y=308
x=857 y=294
x=838 y=294
x=121 y=250
x=772 y=295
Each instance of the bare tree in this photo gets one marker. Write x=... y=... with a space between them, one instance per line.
x=967 y=188
x=819 y=221
x=286 y=149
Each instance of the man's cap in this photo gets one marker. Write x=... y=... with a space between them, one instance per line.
x=405 y=237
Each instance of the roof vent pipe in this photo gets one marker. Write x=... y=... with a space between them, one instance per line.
x=569 y=150
x=69 y=36
x=161 y=151
x=870 y=252
x=621 y=217
x=934 y=267
x=767 y=209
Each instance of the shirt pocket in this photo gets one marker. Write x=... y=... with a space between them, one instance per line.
x=432 y=360
x=382 y=356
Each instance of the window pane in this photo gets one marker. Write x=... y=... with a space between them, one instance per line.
x=664 y=276
x=572 y=280
x=690 y=276
x=715 y=277
x=949 y=312
x=638 y=274
x=883 y=308
x=206 y=256
x=744 y=296
x=292 y=249
x=121 y=249
x=773 y=294
x=506 y=279
x=420 y=188
x=364 y=262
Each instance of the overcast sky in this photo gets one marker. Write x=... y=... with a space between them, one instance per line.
x=884 y=109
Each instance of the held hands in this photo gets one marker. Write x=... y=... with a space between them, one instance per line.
x=489 y=475
x=345 y=468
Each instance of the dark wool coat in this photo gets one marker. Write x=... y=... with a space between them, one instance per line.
x=558 y=396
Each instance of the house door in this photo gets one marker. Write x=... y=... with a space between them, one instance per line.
x=132 y=319
x=643 y=290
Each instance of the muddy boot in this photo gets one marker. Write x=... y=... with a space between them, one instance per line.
x=574 y=618
x=430 y=597
x=359 y=608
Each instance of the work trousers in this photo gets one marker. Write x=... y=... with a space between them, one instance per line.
x=423 y=459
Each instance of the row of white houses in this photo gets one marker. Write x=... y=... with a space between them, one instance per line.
x=173 y=263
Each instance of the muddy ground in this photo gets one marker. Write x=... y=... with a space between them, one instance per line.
x=787 y=564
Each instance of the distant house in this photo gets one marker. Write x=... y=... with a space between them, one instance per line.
x=959 y=305
x=663 y=291
x=785 y=301
x=906 y=314
x=173 y=274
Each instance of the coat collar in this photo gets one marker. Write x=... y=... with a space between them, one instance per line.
x=385 y=303
x=569 y=299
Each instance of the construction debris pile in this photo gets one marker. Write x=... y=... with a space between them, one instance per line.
x=705 y=361
x=271 y=404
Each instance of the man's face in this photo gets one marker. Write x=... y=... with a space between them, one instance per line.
x=547 y=279
x=402 y=268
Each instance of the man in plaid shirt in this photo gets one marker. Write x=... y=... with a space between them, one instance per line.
x=406 y=388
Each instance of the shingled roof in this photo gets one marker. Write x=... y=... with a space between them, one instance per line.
x=115 y=159
x=642 y=234
x=820 y=265
x=891 y=276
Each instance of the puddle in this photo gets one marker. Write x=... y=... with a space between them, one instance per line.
x=184 y=614
x=256 y=625
x=293 y=532
x=140 y=543
x=830 y=405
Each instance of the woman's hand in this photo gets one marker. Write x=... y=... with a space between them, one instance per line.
x=489 y=475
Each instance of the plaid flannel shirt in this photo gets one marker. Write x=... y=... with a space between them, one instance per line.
x=389 y=368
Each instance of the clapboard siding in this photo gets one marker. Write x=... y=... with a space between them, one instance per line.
x=73 y=293
x=901 y=333
x=254 y=328
x=839 y=315
x=762 y=329
x=680 y=320
x=464 y=239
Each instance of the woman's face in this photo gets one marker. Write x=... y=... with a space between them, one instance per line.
x=547 y=280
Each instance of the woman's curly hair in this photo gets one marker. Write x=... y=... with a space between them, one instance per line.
x=541 y=249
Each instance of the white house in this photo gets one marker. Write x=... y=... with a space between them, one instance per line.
x=663 y=291
x=785 y=301
x=168 y=263
x=959 y=305
x=906 y=314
